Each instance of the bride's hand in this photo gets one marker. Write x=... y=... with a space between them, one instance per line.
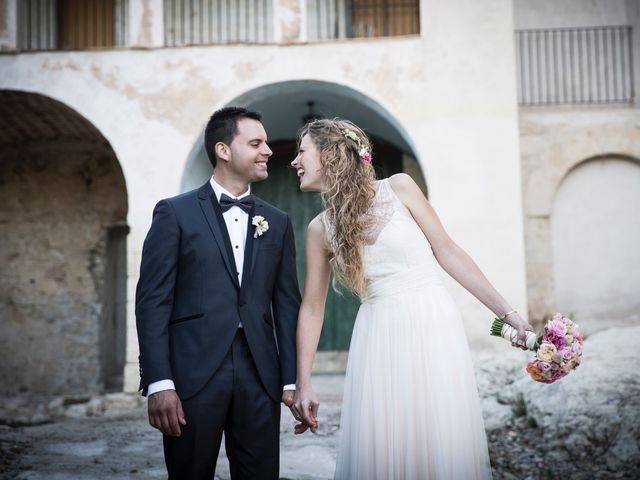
x=521 y=326
x=305 y=410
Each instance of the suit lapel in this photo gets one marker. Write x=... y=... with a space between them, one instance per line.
x=215 y=220
x=252 y=244
x=249 y=246
x=259 y=210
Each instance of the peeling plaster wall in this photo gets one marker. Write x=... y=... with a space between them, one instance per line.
x=452 y=90
x=147 y=24
x=290 y=26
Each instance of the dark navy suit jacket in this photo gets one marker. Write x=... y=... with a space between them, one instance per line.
x=189 y=302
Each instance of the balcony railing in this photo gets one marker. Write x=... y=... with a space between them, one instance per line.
x=37 y=25
x=575 y=66
x=198 y=22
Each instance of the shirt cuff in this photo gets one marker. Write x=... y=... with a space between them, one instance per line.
x=159 y=386
x=291 y=386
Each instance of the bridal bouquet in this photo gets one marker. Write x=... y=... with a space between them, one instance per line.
x=558 y=348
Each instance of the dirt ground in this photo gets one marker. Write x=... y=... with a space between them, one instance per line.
x=118 y=443
x=109 y=438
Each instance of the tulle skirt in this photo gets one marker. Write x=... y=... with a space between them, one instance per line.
x=411 y=408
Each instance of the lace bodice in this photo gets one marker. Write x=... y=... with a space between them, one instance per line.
x=394 y=243
x=381 y=212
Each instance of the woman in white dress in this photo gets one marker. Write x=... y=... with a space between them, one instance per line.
x=411 y=408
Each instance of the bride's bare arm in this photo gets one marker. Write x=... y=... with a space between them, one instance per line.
x=453 y=259
x=310 y=319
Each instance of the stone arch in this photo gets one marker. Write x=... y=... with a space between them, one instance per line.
x=551 y=147
x=284 y=105
x=595 y=238
x=63 y=209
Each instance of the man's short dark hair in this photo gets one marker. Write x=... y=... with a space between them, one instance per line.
x=223 y=127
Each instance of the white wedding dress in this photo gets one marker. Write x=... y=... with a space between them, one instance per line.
x=411 y=408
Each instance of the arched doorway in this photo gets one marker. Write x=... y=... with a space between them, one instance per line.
x=63 y=208
x=284 y=107
x=596 y=233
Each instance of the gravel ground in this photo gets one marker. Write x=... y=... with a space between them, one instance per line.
x=109 y=437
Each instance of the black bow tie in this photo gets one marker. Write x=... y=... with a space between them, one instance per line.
x=245 y=203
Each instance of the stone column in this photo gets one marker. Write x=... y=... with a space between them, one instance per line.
x=134 y=253
x=146 y=23
x=8 y=25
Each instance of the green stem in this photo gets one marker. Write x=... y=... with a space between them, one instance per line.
x=496 y=327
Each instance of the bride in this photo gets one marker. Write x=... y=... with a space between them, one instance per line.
x=411 y=408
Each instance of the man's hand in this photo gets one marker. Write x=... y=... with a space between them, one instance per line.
x=305 y=410
x=165 y=412
x=287 y=397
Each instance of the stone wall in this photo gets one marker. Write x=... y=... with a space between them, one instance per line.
x=553 y=142
x=56 y=201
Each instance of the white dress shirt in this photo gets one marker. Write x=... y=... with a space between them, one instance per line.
x=236 y=221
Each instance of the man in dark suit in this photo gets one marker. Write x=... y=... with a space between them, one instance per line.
x=216 y=310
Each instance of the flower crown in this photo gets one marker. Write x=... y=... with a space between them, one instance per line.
x=363 y=152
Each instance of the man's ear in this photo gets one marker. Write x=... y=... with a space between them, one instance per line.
x=222 y=151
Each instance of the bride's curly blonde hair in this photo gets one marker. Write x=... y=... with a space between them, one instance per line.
x=348 y=193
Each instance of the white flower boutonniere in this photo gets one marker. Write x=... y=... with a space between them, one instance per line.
x=260 y=224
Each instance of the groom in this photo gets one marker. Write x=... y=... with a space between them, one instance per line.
x=216 y=263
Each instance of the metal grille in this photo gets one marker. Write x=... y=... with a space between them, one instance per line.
x=83 y=24
x=71 y=24
x=198 y=22
x=37 y=25
x=383 y=18
x=329 y=19
x=326 y=19
x=575 y=66
x=121 y=22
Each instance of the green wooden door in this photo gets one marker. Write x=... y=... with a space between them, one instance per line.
x=282 y=189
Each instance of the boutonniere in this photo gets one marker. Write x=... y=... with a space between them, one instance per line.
x=260 y=224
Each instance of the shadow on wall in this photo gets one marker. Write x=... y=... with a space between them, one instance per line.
x=63 y=223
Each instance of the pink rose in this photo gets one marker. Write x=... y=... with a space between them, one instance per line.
x=566 y=353
x=576 y=348
x=558 y=342
x=544 y=366
x=557 y=328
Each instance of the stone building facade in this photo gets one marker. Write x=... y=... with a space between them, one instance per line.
x=580 y=160
x=100 y=120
